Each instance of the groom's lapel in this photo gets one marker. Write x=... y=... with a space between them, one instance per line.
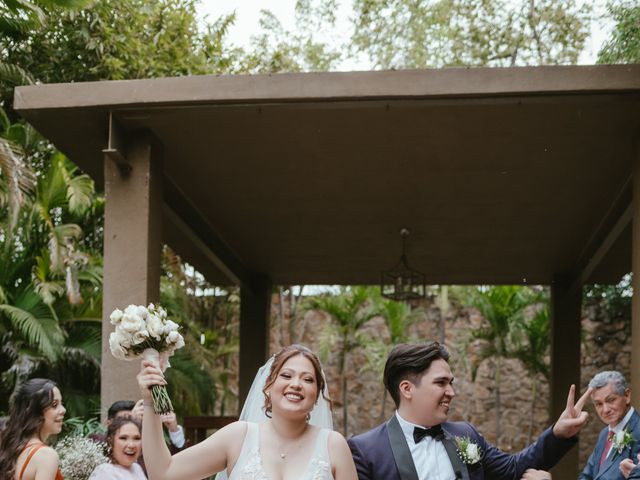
x=401 y=452
x=451 y=447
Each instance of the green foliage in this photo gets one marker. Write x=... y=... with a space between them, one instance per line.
x=349 y=310
x=199 y=374
x=19 y=17
x=624 y=44
x=408 y=34
x=278 y=50
x=509 y=333
x=47 y=280
x=531 y=340
x=614 y=300
x=117 y=39
x=502 y=306
x=80 y=427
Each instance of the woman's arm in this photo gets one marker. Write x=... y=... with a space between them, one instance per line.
x=341 y=459
x=199 y=461
x=46 y=462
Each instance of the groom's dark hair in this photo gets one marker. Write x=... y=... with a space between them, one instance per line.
x=409 y=362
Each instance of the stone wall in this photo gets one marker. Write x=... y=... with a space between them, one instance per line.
x=524 y=405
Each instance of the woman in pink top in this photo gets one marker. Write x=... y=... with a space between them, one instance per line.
x=125 y=444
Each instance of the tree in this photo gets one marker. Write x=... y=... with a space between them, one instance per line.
x=532 y=340
x=119 y=39
x=399 y=317
x=19 y=18
x=50 y=218
x=199 y=374
x=502 y=307
x=49 y=283
x=438 y=33
x=624 y=44
x=278 y=50
x=348 y=311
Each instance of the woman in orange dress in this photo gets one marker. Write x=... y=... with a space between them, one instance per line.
x=35 y=413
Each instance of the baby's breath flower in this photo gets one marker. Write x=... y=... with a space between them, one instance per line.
x=79 y=456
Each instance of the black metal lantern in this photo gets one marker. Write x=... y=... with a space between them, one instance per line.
x=402 y=282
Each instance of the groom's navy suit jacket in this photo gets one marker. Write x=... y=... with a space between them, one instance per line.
x=610 y=470
x=383 y=454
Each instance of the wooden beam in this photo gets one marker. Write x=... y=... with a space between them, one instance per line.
x=566 y=312
x=255 y=315
x=132 y=252
x=603 y=249
x=635 y=281
x=204 y=237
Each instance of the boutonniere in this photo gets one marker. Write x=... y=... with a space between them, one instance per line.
x=468 y=451
x=621 y=440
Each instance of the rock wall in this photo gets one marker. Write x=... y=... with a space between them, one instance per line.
x=524 y=400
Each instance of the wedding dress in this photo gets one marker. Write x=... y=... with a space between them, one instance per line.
x=250 y=466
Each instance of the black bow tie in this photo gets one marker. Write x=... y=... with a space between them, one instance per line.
x=434 y=432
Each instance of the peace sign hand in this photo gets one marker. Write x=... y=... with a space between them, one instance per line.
x=572 y=418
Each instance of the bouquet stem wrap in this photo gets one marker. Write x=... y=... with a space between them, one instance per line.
x=161 y=401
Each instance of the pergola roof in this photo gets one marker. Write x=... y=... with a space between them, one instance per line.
x=502 y=175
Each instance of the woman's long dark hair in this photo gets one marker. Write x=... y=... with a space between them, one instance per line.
x=26 y=415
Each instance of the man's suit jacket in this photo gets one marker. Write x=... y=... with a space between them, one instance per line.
x=383 y=454
x=635 y=474
x=610 y=470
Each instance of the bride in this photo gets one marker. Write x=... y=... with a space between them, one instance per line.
x=279 y=436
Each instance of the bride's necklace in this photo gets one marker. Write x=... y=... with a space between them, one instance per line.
x=290 y=447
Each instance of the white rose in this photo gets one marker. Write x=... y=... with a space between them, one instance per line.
x=155 y=327
x=173 y=337
x=131 y=323
x=162 y=313
x=140 y=336
x=116 y=316
x=473 y=453
x=131 y=310
x=170 y=326
x=123 y=338
x=180 y=342
x=620 y=437
x=151 y=307
x=142 y=312
x=115 y=347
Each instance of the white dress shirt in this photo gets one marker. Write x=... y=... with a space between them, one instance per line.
x=618 y=428
x=177 y=437
x=429 y=455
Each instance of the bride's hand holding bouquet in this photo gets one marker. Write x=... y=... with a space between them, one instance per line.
x=147 y=332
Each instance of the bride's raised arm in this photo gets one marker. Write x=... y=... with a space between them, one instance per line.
x=199 y=461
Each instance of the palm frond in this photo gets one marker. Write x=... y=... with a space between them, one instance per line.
x=36 y=327
x=17 y=176
x=11 y=73
x=80 y=194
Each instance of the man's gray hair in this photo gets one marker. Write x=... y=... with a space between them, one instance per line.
x=602 y=379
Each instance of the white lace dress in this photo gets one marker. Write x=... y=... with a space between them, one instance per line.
x=249 y=465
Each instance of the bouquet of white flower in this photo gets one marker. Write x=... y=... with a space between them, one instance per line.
x=146 y=332
x=79 y=456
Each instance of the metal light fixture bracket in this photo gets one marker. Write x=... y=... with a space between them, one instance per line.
x=402 y=282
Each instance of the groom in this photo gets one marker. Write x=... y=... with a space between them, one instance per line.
x=419 y=443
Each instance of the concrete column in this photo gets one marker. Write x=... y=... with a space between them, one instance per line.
x=255 y=320
x=566 y=313
x=132 y=251
x=635 y=282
